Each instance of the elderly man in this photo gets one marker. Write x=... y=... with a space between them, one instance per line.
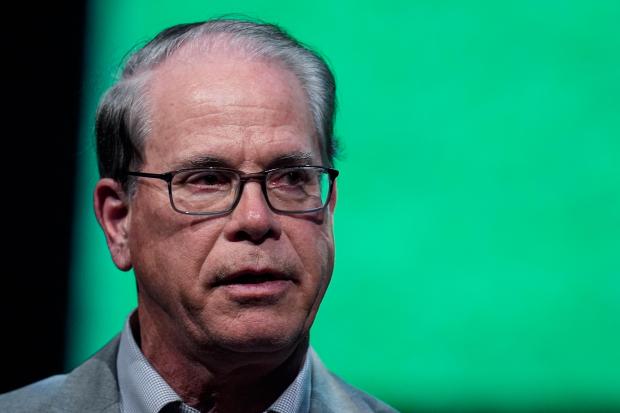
x=215 y=152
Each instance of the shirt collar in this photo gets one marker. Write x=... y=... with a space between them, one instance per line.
x=143 y=390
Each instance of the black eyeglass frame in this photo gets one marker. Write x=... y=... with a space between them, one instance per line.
x=243 y=178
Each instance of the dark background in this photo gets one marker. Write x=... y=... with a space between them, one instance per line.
x=40 y=112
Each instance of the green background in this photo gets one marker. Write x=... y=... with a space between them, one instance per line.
x=478 y=219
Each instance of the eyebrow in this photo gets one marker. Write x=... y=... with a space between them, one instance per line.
x=209 y=161
x=291 y=159
x=203 y=161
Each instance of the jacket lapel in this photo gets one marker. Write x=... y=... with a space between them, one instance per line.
x=93 y=386
x=329 y=394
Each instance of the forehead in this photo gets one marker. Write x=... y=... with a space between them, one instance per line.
x=243 y=110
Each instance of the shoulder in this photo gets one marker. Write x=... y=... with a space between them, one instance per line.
x=90 y=387
x=332 y=394
x=35 y=397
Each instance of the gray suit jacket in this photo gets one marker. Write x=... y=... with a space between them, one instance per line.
x=93 y=387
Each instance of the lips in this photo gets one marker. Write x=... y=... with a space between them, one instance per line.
x=247 y=277
x=255 y=287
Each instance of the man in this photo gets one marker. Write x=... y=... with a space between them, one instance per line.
x=215 y=152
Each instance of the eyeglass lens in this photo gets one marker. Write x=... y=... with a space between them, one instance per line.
x=295 y=189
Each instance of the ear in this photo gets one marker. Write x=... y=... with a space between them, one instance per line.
x=112 y=212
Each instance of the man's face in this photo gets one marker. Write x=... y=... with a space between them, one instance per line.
x=198 y=276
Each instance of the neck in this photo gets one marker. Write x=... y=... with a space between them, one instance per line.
x=216 y=379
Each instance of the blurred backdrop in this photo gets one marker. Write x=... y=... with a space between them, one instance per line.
x=478 y=219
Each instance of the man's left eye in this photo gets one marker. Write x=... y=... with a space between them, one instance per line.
x=290 y=178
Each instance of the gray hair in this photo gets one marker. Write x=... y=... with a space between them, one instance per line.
x=123 y=122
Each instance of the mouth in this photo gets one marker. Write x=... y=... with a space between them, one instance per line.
x=254 y=287
x=248 y=277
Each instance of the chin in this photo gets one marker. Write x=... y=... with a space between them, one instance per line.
x=260 y=338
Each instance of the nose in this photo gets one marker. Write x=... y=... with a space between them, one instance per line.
x=252 y=219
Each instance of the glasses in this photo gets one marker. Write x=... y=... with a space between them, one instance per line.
x=216 y=191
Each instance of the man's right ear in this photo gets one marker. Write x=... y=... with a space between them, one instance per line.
x=112 y=212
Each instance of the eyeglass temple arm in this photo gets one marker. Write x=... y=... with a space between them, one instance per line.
x=166 y=177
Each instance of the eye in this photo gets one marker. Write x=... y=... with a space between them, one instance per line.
x=207 y=180
x=290 y=177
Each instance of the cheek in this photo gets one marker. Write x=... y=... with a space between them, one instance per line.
x=314 y=244
x=167 y=257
